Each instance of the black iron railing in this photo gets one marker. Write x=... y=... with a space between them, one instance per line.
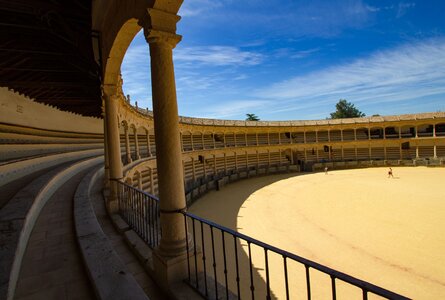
x=141 y=212
x=219 y=269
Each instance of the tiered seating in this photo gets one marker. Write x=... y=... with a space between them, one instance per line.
x=335 y=135
x=348 y=135
x=311 y=137
x=323 y=136
x=392 y=153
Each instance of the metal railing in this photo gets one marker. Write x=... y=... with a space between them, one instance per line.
x=141 y=212
x=218 y=269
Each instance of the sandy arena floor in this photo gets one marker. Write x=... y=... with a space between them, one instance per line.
x=388 y=231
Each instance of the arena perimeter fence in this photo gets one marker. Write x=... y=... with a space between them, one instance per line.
x=218 y=266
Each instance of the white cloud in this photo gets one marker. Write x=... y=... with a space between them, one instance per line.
x=217 y=56
x=407 y=72
x=231 y=109
x=403 y=8
x=192 y=8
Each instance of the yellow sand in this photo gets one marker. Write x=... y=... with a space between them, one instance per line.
x=388 y=231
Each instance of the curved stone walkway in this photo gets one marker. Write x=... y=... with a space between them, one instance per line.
x=52 y=266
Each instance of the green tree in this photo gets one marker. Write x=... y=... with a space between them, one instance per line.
x=345 y=109
x=252 y=117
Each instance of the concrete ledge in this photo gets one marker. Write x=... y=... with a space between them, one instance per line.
x=108 y=274
x=19 y=215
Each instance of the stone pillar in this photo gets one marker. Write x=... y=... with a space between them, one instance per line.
x=245 y=137
x=106 y=159
x=384 y=133
x=191 y=141
x=136 y=144
x=234 y=138
x=316 y=137
x=256 y=137
x=435 y=151
x=148 y=144
x=279 y=138
x=225 y=163
x=304 y=136
x=214 y=140
x=341 y=135
x=202 y=141
x=193 y=169
x=417 y=151
x=417 y=129
x=329 y=135
x=204 y=170
x=268 y=138
x=224 y=139
x=168 y=147
x=355 y=134
x=369 y=133
x=113 y=145
x=434 y=131
x=127 y=145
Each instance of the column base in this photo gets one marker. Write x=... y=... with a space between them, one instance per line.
x=170 y=271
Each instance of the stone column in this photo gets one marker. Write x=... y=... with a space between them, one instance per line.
x=355 y=134
x=168 y=145
x=435 y=151
x=148 y=144
x=256 y=137
x=234 y=138
x=245 y=137
x=202 y=141
x=434 y=131
x=417 y=151
x=341 y=135
x=113 y=145
x=193 y=169
x=127 y=145
x=106 y=159
x=191 y=141
x=214 y=140
x=136 y=144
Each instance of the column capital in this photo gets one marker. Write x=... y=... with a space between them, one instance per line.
x=161 y=37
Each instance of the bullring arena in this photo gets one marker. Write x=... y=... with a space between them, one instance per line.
x=102 y=199
x=387 y=231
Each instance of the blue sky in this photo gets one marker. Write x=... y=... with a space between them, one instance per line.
x=293 y=60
